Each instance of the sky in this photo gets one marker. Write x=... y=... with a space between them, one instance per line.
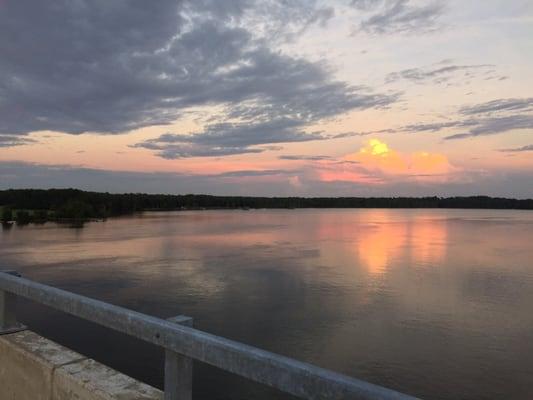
x=268 y=97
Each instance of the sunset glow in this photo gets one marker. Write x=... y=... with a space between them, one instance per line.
x=309 y=99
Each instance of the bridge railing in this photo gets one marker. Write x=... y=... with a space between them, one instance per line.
x=183 y=344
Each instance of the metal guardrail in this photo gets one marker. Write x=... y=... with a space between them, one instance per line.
x=183 y=344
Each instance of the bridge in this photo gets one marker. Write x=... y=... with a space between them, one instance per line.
x=182 y=344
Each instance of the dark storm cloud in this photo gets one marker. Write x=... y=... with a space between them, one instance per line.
x=74 y=66
x=528 y=147
x=398 y=16
x=110 y=67
x=499 y=105
x=10 y=141
x=438 y=75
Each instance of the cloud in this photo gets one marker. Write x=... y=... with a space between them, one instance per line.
x=89 y=75
x=280 y=183
x=14 y=174
x=528 y=147
x=275 y=20
x=378 y=155
x=437 y=126
x=481 y=119
x=224 y=139
x=399 y=16
x=499 y=105
x=425 y=127
x=439 y=75
x=492 y=126
x=10 y=141
x=304 y=158
x=267 y=124
x=114 y=67
x=476 y=126
x=253 y=173
x=377 y=163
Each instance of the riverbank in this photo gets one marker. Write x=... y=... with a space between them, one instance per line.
x=37 y=205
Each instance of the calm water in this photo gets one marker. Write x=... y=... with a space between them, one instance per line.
x=435 y=303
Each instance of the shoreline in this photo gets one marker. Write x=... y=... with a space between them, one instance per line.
x=81 y=221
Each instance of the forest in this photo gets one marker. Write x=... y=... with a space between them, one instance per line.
x=32 y=205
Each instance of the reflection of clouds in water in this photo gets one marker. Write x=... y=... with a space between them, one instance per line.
x=372 y=293
x=422 y=241
x=428 y=241
x=380 y=240
x=379 y=246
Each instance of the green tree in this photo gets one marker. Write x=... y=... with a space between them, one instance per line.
x=7 y=214
x=23 y=217
x=76 y=209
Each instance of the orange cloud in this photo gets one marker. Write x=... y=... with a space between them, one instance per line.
x=345 y=174
x=378 y=156
x=430 y=163
x=376 y=161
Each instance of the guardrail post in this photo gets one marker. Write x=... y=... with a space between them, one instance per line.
x=178 y=369
x=8 y=311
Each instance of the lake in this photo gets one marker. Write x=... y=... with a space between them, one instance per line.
x=434 y=303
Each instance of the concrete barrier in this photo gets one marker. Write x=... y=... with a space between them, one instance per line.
x=35 y=368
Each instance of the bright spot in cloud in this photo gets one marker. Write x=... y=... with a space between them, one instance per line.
x=378 y=162
x=377 y=155
x=376 y=148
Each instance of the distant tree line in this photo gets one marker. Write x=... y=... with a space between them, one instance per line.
x=36 y=204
